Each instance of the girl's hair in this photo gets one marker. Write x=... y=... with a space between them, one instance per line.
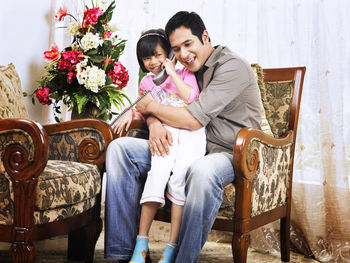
x=147 y=44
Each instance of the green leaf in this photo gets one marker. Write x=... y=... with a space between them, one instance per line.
x=118 y=50
x=92 y=52
x=108 y=81
x=97 y=59
x=81 y=101
x=107 y=47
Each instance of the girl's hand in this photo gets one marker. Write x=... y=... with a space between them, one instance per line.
x=123 y=122
x=169 y=67
x=159 y=137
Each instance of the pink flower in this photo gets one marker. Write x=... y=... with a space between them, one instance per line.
x=70 y=76
x=61 y=14
x=92 y=15
x=119 y=75
x=108 y=34
x=72 y=56
x=43 y=95
x=52 y=54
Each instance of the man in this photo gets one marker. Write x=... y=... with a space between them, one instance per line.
x=228 y=101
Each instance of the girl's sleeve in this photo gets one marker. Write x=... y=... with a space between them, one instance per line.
x=190 y=79
x=145 y=84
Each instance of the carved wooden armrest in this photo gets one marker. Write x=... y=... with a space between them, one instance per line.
x=139 y=125
x=262 y=170
x=24 y=154
x=82 y=140
x=24 y=148
x=246 y=155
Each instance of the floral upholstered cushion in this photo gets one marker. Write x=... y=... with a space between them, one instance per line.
x=64 y=189
x=277 y=100
x=11 y=97
x=270 y=184
x=64 y=145
x=65 y=183
x=51 y=215
x=265 y=126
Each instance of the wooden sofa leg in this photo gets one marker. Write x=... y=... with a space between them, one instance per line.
x=240 y=244
x=22 y=253
x=82 y=242
x=285 y=238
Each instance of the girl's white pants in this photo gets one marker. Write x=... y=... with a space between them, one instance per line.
x=171 y=169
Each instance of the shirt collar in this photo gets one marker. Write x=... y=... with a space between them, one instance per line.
x=213 y=57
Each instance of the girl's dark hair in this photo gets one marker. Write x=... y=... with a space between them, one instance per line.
x=147 y=44
x=189 y=20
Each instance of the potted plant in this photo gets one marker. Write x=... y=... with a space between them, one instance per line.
x=87 y=73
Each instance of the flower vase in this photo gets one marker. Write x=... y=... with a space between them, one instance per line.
x=89 y=110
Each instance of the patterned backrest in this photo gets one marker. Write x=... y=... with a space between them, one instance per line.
x=11 y=97
x=265 y=126
x=277 y=102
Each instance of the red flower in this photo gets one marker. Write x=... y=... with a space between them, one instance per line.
x=108 y=34
x=92 y=15
x=43 y=95
x=70 y=76
x=61 y=14
x=52 y=54
x=72 y=56
x=69 y=59
x=64 y=65
x=119 y=75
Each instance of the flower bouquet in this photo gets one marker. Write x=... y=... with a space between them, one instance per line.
x=88 y=71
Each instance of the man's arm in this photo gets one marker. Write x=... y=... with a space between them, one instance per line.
x=178 y=117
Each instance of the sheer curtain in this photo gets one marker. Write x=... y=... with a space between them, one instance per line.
x=284 y=33
x=288 y=33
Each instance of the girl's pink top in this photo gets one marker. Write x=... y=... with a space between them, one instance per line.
x=169 y=87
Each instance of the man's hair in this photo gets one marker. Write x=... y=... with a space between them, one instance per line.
x=147 y=44
x=189 y=20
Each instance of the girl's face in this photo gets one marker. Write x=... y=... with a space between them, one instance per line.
x=154 y=63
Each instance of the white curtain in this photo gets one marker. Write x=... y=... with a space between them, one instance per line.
x=284 y=33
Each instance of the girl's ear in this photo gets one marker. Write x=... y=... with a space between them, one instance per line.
x=205 y=37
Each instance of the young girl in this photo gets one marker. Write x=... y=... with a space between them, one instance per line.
x=179 y=89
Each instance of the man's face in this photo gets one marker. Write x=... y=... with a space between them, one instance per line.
x=188 y=49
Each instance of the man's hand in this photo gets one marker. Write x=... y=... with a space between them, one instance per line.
x=159 y=137
x=144 y=105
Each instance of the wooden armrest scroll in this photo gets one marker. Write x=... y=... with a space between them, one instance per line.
x=90 y=149
x=245 y=163
x=17 y=161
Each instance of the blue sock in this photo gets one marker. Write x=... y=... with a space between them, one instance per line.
x=169 y=253
x=140 y=250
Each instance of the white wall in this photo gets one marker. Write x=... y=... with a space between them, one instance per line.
x=24 y=31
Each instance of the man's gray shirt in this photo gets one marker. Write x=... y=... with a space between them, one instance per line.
x=229 y=99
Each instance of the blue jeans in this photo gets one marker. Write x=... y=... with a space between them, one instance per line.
x=127 y=163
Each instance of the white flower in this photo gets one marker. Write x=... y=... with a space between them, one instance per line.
x=84 y=62
x=90 y=41
x=92 y=77
x=73 y=28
